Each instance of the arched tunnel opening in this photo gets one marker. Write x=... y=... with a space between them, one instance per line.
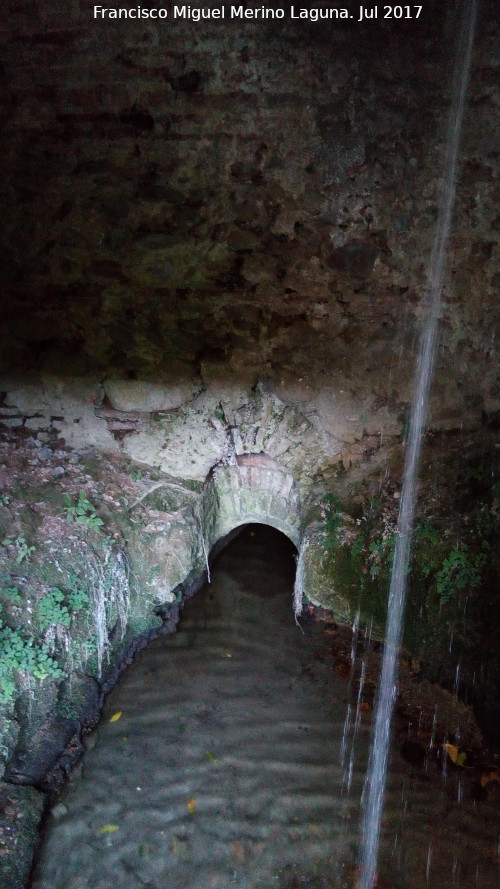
x=260 y=546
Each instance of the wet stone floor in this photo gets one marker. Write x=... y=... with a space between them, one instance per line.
x=224 y=769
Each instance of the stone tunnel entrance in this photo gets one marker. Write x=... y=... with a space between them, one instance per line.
x=254 y=489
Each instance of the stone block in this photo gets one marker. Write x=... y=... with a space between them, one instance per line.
x=147 y=396
x=37 y=423
x=11 y=422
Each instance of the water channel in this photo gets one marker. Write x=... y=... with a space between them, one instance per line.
x=224 y=769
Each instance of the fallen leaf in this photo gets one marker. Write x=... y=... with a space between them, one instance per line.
x=452 y=751
x=192 y=805
x=211 y=757
x=109 y=828
x=227 y=654
x=458 y=757
x=116 y=716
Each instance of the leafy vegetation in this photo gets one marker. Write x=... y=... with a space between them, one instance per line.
x=461 y=570
x=57 y=608
x=26 y=652
x=23 y=549
x=53 y=610
x=83 y=512
x=448 y=565
x=21 y=660
x=77 y=597
x=10 y=593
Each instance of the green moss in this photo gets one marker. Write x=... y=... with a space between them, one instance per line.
x=358 y=558
x=448 y=573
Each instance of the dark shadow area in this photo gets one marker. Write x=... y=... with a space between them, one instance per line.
x=259 y=561
x=256 y=544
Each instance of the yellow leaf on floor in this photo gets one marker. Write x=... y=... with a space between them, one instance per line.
x=192 y=805
x=109 y=828
x=116 y=716
x=452 y=751
x=458 y=757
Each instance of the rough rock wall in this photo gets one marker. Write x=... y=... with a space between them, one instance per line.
x=188 y=201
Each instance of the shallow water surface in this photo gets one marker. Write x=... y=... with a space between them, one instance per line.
x=224 y=769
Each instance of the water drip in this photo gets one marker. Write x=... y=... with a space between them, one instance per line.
x=377 y=766
x=352 y=719
x=428 y=866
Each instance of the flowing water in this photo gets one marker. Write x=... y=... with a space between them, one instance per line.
x=375 y=782
x=224 y=768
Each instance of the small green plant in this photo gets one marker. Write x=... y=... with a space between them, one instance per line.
x=427 y=532
x=427 y=540
x=77 y=598
x=381 y=554
x=53 y=610
x=20 y=659
x=23 y=550
x=12 y=594
x=484 y=523
x=136 y=475
x=4 y=500
x=83 y=512
x=460 y=570
x=57 y=608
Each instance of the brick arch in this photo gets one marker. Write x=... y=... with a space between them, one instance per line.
x=254 y=489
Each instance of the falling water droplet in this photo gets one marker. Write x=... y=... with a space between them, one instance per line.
x=428 y=865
